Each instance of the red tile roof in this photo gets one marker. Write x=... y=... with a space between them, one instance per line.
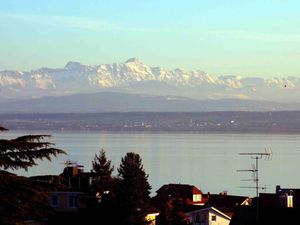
x=184 y=192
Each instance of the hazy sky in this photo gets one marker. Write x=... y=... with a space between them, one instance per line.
x=221 y=37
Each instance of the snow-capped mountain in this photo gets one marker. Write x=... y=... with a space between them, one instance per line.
x=133 y=76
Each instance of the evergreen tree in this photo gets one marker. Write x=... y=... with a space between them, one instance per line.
x=22 y=152
x=133 y=189
x=20 y=197
x=103 y=185
x=102 y=170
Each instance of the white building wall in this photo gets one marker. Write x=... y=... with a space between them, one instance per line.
x=207 y=217
x=219 y=220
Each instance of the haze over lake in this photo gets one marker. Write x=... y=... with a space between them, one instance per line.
x=208 y=161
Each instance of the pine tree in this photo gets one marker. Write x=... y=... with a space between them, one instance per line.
x=20 y=197
x=103 y=185
x=133 y=189
x=102 y=171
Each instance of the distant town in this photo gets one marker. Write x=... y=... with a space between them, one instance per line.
x=247 y=122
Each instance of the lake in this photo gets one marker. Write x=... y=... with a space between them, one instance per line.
x=208 y=161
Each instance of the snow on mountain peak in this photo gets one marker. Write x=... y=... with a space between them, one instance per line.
x=137 y=77
x=12 y=79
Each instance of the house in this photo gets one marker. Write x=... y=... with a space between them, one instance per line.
x=73 y=178
x=76 y=178
x=69 y=188
x=207 y=216
x=251 y=215
x=186 y=194
x=75 y=202
x=226 y=203
x=289 y=197
x=283 y=197
x=66 y=201
x=281 y=207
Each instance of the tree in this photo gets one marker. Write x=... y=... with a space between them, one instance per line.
x=103 y=185
x=22 y=152
x=20 y=197
x=133 y=189
x=102 y=171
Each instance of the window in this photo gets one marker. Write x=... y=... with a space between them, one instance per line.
x=290 y=201
x=54 y=200
x=197 y=198
x=213 y=218
x=72 y=201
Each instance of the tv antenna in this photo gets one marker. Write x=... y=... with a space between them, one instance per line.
x=69 y=163
x=255 y=175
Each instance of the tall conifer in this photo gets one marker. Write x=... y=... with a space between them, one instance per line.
x=102 y=170
x=20 y=197
x=133 y=189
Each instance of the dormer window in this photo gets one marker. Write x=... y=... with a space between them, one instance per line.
x=197 y=198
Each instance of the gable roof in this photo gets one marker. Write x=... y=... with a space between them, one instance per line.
x=225 y=201
x=179 y=189
x=210 y=208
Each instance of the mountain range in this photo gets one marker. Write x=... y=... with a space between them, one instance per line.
x=135 y=78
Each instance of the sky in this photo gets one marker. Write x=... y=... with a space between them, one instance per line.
x=221 y=37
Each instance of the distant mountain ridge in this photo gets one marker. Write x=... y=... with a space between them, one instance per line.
x=122 y=102
x=134 y=76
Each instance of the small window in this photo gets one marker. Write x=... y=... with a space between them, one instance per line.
x=72 y=201
x=197 y=219
x=54 y=200
x=197 y=198
x=290 y=201
x=214 y=218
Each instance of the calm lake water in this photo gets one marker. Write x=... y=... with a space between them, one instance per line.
x=208 y=161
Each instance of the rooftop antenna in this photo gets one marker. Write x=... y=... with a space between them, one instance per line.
x=267 y=155
x=69 y=163
x=256 y=156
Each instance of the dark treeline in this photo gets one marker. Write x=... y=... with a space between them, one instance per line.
x=122 y=199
